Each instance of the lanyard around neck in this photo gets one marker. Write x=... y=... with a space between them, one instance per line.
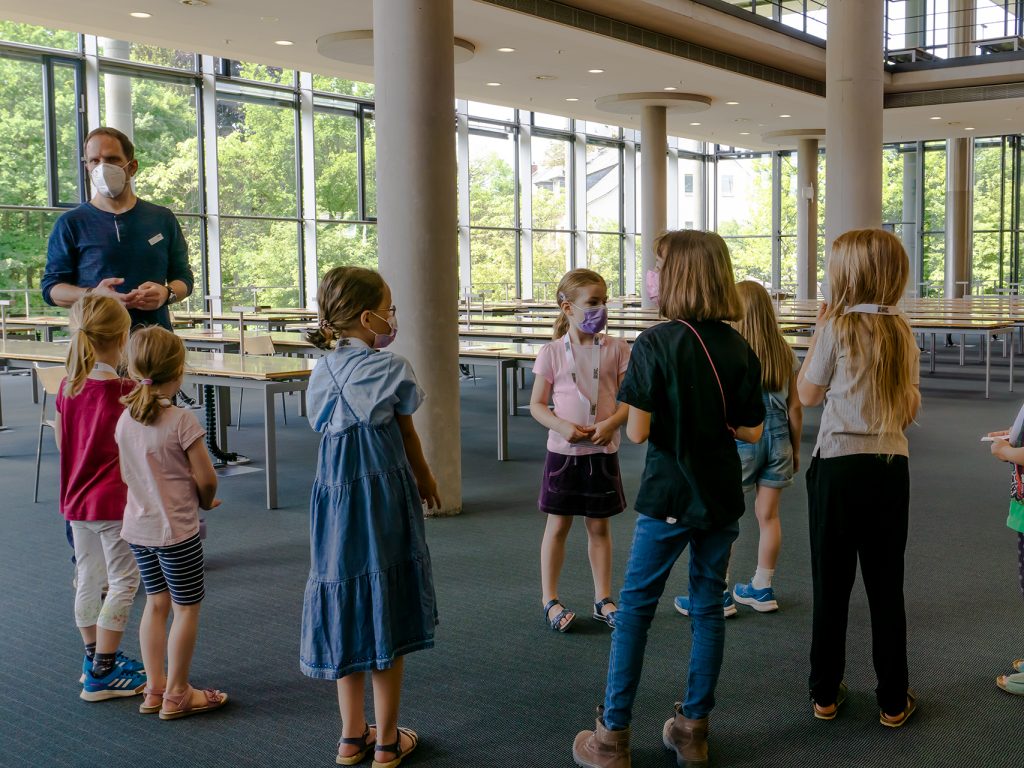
x=104 y=368
x=873 y=309
x=596 y=359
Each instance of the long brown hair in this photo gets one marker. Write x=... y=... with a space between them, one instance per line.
x=696 y=280
x=344 y=294
x=94 y=321
x=155 y=356
x=569 y=286
x=760 y=327
x=870 y=266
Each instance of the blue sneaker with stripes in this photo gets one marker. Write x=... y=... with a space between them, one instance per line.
x=121 y=661
x=118 y=684
x=761 y=600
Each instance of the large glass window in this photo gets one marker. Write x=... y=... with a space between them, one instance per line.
x=23 y=138
x=552 y=179
x=146 y=54
x=933 y=228
x=259 y=262
x=343 y=245
x=745 y=214
x=30 y=34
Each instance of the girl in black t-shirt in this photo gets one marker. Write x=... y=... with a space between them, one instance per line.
x=693 y=385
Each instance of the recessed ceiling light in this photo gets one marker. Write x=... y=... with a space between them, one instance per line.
x=506 y=50
x=694 y=123
x=669 y=88
x=194 y=3
x=572 y=99
x=744 y=133
x=492 y=85
x=968 y=128
x=283 y=42
x=937 y=117
x=595 y=71
x=785 y=115
x=269 y=18
x=546 y=77
x=732 y=103
x=140 y=15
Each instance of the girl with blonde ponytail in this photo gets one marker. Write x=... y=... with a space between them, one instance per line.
x=863 y=355
x=92 y=494
x=580 y=371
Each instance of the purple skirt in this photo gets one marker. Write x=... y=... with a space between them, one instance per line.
x=589 y=485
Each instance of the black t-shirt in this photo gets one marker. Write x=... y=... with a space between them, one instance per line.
x=692 y=474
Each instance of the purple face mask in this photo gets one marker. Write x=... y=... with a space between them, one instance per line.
x=652 y=282
x=594 y=318
x=381 y=340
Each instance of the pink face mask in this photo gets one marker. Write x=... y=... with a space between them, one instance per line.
x=652 y=282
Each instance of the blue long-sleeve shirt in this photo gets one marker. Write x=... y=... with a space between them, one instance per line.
x=144 y=244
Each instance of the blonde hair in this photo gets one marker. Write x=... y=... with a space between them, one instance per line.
x=760 y=327
x=569 y=286
x=696 y=280
x=94 y=321
x=155 y=356
x=344 y=294
x=870 y=266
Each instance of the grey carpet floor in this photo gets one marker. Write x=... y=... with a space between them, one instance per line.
x=500 y=689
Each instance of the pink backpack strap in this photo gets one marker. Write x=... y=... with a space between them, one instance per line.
x=713 y=368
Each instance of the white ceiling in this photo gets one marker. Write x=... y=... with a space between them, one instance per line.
x=247 y=29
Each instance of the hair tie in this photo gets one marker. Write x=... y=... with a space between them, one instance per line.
x=146 y=382
x=325 y=326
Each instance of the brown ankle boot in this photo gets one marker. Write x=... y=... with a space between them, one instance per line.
x=601 y=748
x=688 y=739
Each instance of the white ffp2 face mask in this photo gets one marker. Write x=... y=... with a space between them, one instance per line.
x=108 y=179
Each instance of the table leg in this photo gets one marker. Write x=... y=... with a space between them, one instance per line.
x=223 y=407
x=963 y=346
x=931 y=362
x=514 y=404
x=1011 y=361
x=988 y=361
x=502 y=377
x=270 y=446
x=302 y=403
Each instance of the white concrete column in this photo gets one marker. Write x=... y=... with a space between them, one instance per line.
x=653 y=185
x=853 y=105
x=959 y=170
x=807 y=219
x=117 y=89
x=416 y=189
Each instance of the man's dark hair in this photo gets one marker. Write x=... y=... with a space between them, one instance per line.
x=126 y=144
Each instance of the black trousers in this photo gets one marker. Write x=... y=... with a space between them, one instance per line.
x=859 y=507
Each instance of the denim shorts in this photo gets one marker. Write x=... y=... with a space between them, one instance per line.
x=769 y=461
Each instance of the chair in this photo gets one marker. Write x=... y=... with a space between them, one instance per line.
x=50 y=377
x=262 y=346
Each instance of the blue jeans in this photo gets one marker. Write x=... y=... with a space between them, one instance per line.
x=656 y=547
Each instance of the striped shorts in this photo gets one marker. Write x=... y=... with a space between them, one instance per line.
x=178 y=568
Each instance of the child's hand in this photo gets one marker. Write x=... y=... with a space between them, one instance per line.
x=429 y=495
x=603 y=433
x=998 y=446
x=574 y=433
x=1000 y=433
x=213 y=505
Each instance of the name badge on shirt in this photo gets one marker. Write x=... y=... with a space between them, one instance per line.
x=156 y=239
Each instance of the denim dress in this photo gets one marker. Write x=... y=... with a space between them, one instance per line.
x=370 y=593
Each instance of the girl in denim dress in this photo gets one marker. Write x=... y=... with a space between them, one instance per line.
x=770 y=463
x=370 y=595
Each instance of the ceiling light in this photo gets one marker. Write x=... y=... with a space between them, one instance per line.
x=194 y=3
x=744 y=133
x=694 y=123
x=595 y=71
x=785 y=115
x=283 y=42
x=732 y=103
x=140 y=15
x=571 y=99
x=492 y=85
x=669 y=88
x=935 y=118
x=545 y=77
x=968 y=128
x=269 y=18
x=506 y=50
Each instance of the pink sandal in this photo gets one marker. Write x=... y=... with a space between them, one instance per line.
x=183 y=703
x=147 y=709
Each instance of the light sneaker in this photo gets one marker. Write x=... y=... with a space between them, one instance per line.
x=117 y=684
x=121 y=661
x=761 y=600
x=682 y=604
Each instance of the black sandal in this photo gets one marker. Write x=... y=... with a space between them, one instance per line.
x=396 y=749
x=364 y=744
x=556 y=622
x=599 y=614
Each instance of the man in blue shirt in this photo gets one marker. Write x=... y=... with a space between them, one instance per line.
x=116 y=244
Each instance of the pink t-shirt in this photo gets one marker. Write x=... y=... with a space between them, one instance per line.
x=163 y=502
x=554 y=366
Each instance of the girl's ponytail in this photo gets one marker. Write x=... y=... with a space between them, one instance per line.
x=142 y=404
x=155 y=356
x=94 y=321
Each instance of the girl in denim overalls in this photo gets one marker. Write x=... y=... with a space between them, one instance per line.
x=771 y=462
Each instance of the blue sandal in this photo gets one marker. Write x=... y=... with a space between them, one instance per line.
x=364 y=744
x=600 y=615
x=563 y=620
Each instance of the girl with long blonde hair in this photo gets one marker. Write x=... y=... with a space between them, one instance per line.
x=770 y=463
x=92 y=494
x=580 y=372
x=170 y=477
x=864 y=357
